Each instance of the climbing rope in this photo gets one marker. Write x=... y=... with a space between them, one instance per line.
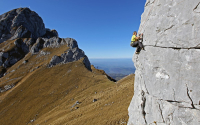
x=142 y=26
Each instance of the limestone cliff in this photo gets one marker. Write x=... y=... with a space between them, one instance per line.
x=167 y=89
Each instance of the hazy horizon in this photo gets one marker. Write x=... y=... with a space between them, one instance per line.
x=114 y=67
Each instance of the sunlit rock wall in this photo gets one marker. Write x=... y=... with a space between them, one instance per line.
x=167 y=81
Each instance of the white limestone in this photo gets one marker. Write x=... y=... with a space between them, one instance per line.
x=167 y=77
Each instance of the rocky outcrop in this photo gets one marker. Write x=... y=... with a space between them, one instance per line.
x=37 y=46
x=166 y=90
x=18 y=30
x=13 y=52
x=21 y=23
x=50 y=33
x=6 y=88
x=71 y=55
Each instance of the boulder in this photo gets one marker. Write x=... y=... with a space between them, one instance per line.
x=7 y=87
x=166 y=87
x=94 y=100
x=25 y=61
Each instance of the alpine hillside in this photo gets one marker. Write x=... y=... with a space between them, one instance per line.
x=49 y=80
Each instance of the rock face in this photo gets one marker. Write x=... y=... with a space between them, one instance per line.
x=71 y=55
x=21 y=23
x=167 y=90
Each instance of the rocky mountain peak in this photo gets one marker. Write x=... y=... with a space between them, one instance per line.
x=21 y=23
x=23 y=31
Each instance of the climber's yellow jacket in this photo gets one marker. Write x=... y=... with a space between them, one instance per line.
x=133 y=38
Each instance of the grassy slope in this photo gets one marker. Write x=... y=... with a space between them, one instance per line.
x=47 y=94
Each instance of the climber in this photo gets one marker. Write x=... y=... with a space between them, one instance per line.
x=136 y=43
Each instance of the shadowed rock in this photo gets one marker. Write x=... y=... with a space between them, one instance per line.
x=50 y=33
x=37 y=46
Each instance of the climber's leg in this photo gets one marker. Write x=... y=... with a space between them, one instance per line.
x=138 y=47
x=134 y=44
x=141 y=45
x=137 y=44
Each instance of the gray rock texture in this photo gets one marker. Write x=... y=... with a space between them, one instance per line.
x=15 y=53
x=6 y=88
x=167 y=89
x=52 y=42
x=50 y=33
x=21 y=22
x=72 y=54
x=22 y=26
x=37 y=46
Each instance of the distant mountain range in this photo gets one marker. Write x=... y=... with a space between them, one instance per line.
x=116 y=68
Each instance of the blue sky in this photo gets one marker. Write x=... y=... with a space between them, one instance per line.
x=102 y=28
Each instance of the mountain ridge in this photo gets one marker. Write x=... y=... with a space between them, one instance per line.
x=49 y=80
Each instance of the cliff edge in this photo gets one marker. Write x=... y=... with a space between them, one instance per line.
x=167 y=90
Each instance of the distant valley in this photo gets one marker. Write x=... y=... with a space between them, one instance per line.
x=116 y=68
